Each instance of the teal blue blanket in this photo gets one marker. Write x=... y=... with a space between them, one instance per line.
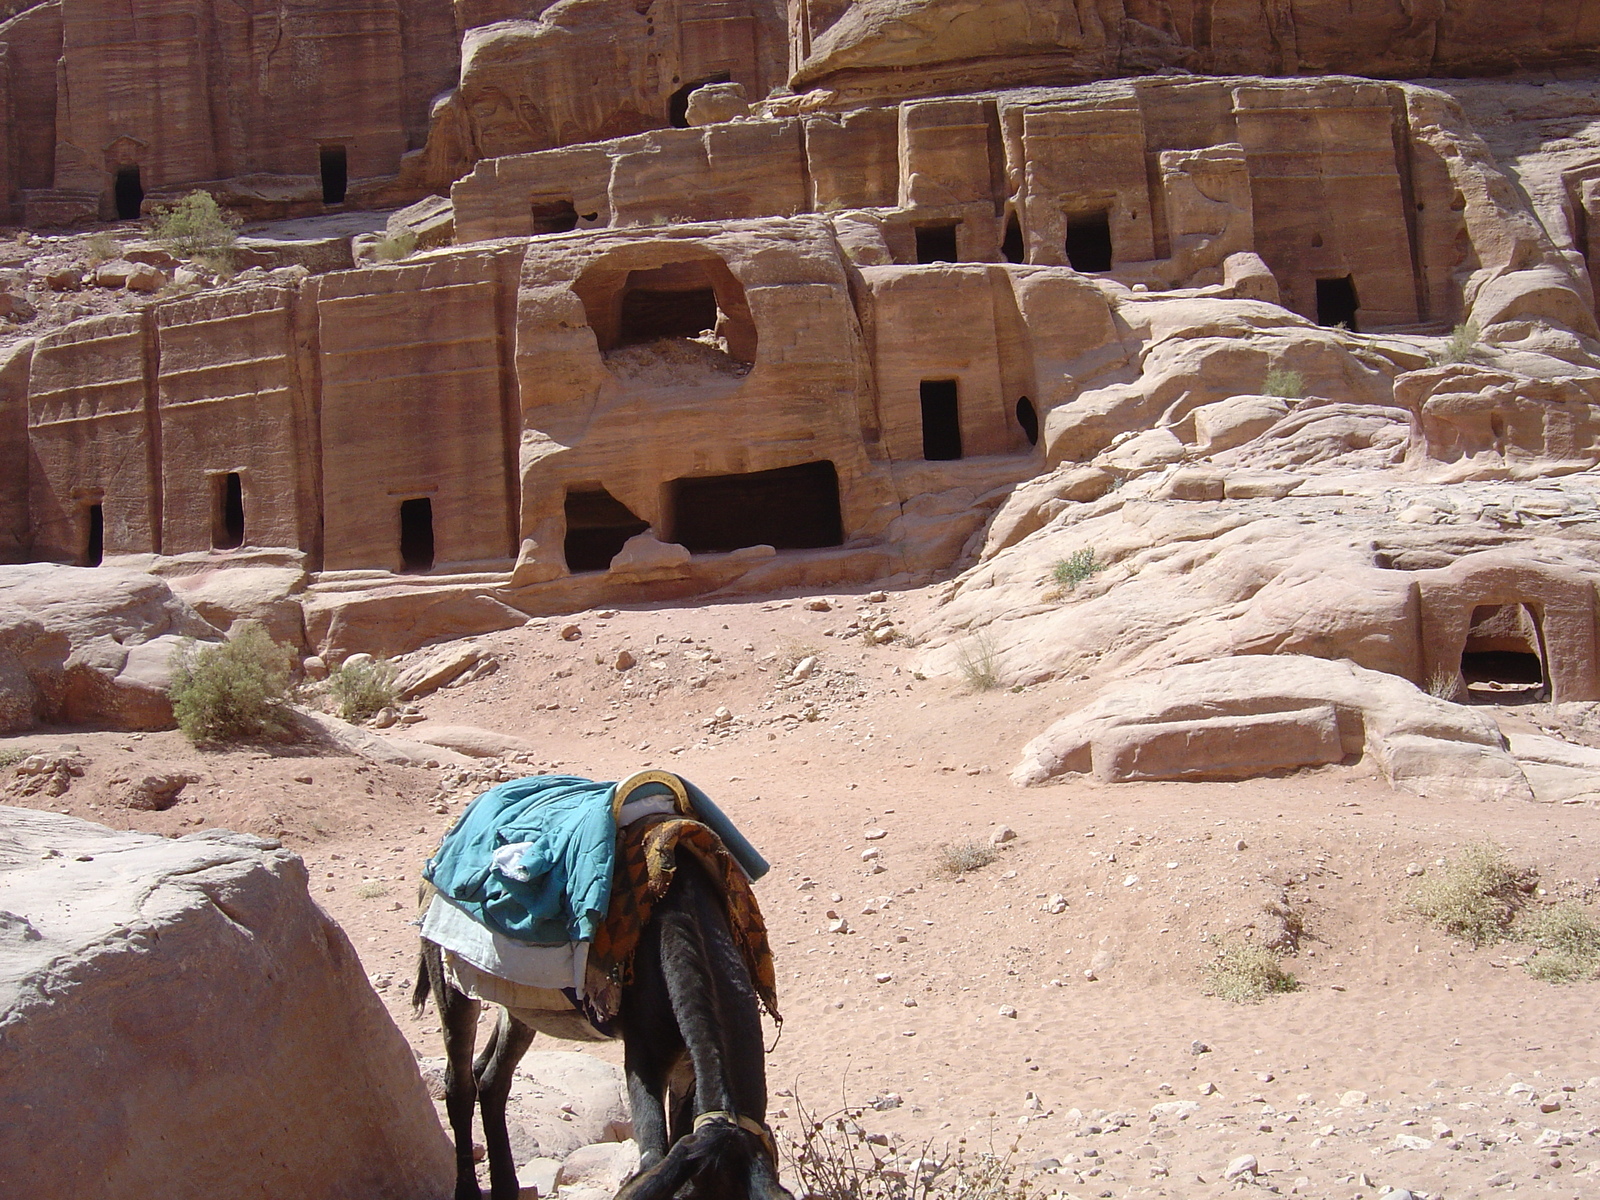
x=561 y=886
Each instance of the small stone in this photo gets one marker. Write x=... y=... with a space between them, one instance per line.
x=1243 y=1167
x=1089 y=974
x=838 y=925
x=1174 y=1110
x=1129 y=880
x=870 y=853
x=803 y=669
x=624 y=661
x=570 y=633
x=1549 y=1106
x=875 y=835
x=385 y=717
x=1007 y=1011
x=1498 y=1179
x=877 y=597
x=1056 y=904
x=1352 y=1099
x=1396 y=1194
x=1199 y=1048
x=883 y=977
x=1240 y=845
x=818 y=605
x=1442 y=1130
x=1002 y=835
x=1264 y=1076
x=909 y=1002
x=1415 y=869
x=1409 y=1141
x=1208 y=1089
x=303 y=779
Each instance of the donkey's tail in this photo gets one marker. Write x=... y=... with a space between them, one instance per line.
x=423 y=986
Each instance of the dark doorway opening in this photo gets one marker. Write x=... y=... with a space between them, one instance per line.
x=790 y=508
x=416 y=534
x=94 y=540
x=1337 y=303
x=227 y=511
x=941 y=420
x=1089 y=246
x=554 y=216
x=335 y=174
x=1012 y=248
x=678 y=102
x=1028 y=418
x=1503 y=661
x=597 y=526
x=648 y=315
x=937 y=243
x=128 y=192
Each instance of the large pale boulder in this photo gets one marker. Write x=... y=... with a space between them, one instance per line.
x=564 y=1099
x=1239 y=717
x=184 y=1015
x=473 y=741
x=261 y=594
x=89 y=644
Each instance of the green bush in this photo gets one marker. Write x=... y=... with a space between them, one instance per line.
x=1474 y=896
x=1245 y=972
x=1077 y=567
x=231 y=692
x=362 y=688
x=197 y=227
x=1566 y=942
x=395 y=246
x=1461 y=346
x=1284 y=383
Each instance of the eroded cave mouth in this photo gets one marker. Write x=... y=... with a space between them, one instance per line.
x=787 y=508
x=598 y=524
x=1503 y=661
x=1089 y=247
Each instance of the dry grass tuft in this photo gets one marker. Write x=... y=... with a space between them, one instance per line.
x=980 y=663
x=1247 y=972
x=1474 y=896
x=958 y=858
x=1566 y=943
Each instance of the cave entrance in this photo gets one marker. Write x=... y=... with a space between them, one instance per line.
x=649 y=314
x=1012 y=248
x=127 y=190
x=1089 y=246
x=941 y=420
x=1503 y=661
x=678 y=102
x=416 y=534
x=335 y=174
x=789 y=508
x=936 y=242
x=597 y=526
x=227 y=511
x=1028 y=418
x=1337 y=303
x=553 y=216
x=94 y=535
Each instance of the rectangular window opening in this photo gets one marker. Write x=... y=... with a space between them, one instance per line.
x=936 y=243
x=1337 y=303
x=94 y=540
x=1012 y=249
x=227 y=511
x=649 y=315
x=789 y=508
x=941 y=420
x=1089 y=247
x=416 y=534
x=335 y=174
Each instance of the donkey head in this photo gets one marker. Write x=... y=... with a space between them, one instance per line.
x=718 y=1161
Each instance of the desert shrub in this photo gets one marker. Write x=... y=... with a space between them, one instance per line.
x=832 y=1159
x=1075 y=568
x=362 y=688
x=791 y=654
x=371 y=889
x=1566 y=941
x=1474 y=896
x=957 y=858
x=1284 y=383
x=101 y=247
x=1442 y=684
x=233 y=691
x=395 y=246
x=1461 y=346
x=197 y=227
x=1246 y=972
x=979 y=663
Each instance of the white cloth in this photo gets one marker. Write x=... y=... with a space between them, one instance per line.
x=447 y=925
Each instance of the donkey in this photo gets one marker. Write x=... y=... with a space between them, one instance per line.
x=690 y=1010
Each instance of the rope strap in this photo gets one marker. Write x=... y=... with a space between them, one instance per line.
x=719 y=1116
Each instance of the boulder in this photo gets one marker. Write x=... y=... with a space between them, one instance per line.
x=80 y=645
x=470 y=740
x=1240 y=717
x=233 y=1042
x=261 y=594
x=714 y=103
x=644 y=557
x=1235 y=421
x=566 y=1099
x=433 y=669
x=391 y=620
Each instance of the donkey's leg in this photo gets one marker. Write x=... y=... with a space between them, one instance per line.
x=496 y=1070
x=458 y=1013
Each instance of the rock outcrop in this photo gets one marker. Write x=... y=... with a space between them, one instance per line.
x=233 y=1042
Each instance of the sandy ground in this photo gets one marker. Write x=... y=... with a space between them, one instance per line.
x=963 y=1006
